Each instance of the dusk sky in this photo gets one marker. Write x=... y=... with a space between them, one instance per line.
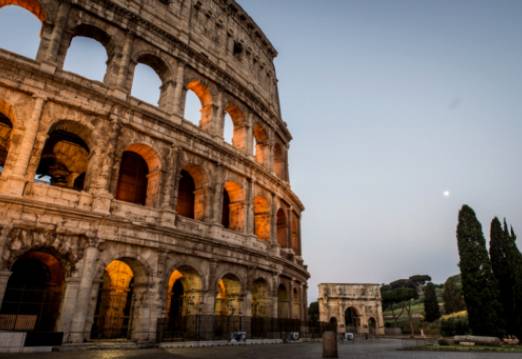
x=391 y=103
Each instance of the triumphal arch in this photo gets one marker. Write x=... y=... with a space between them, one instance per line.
x=352 y=308
x=120 y=218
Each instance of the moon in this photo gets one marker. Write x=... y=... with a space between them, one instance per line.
x=446 y=193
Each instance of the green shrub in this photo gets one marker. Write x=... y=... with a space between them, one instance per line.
x=454 y=326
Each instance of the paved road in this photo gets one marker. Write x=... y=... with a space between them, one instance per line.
x=382 y=349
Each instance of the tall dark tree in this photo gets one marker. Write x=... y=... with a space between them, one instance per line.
x=503 y=263
x=478 y=282
x=452 y=295
x=431 y=304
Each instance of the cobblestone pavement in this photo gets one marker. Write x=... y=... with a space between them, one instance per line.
x=382 y=349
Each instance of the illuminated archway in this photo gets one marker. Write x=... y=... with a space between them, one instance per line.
x=14 y=14
x=183 y=297
x=233 y=206
x=205 y=101
x=283 y=302
x=282 y=229
x=238 y=133
x=260 y=144
x=191 y=196
x=228 y=296
x=33 y=6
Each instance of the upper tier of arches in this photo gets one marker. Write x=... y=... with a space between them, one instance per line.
x=250 y=134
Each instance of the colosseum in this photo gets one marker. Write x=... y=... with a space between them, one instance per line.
x=122 y=219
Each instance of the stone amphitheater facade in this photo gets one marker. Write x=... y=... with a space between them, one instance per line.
x=117 y=214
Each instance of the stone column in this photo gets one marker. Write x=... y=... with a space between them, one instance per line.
x=51 y=39
x=79 y=332
x=249 y=124
x=68 y=307
x=179 y=91
x=217 y=196
x=270 y=146
x=218 y=116
x=120 y=66
x=289 y=225
x=167 y=194
x=249 y=207
x=167 y=101
x=17 y=171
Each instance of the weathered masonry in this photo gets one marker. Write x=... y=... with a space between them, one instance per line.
x=118 y=215
x=352 y=308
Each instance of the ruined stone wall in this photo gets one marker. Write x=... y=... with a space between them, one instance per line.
x=210 y=47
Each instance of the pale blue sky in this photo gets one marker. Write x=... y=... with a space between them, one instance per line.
x=390 y=104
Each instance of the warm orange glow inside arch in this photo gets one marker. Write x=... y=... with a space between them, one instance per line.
x=31 y=5
x=262 y=218
x=205 y=97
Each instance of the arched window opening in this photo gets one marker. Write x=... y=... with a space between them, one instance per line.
x=5 y=136
x=64 y=161
x=279 y=161
x=282 y=302
x=186 y=195
x=261 y=301
x=228 y=129
x=372 y=326
x=198 y=104
x=25 y=19
x=183 y=298
x=261 y=144
x=147 y=84
x=228 y=296
x=88 y=53
x=112 y=316
x=282 y=229
x=261 y=218
x=132 y=181
x=35 y=290
x=233 y=206
x=235 y=130
x=225 y=220
x=351 y=320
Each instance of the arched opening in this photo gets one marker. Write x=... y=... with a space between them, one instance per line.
x=350 y=320
x=233 y=206
x=225 y=219
x=88 y=53
x=65 y=156
x=260 y=144
x=186 y=195
x=146 y=85
x=5 y=136
x=228 y=296
x=283 y=302
x=372 y=326
x=198 y=104
x=261 y=308
x=282 y=229
x=235 y=130
x=26 y=17
x=262 y=218
x=279 y=161
x=150 y=77
x=35 y=289
x=114 y=306
x=132 y=180
x=228 y=129
x=184 y=298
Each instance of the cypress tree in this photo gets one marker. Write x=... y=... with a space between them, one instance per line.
x=502 y=263
x=478 y=282
x=431 y=304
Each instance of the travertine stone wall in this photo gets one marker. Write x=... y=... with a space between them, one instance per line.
x=364 y=301
x=211 y=47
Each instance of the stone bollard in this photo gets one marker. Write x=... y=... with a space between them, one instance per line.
x=330 y=344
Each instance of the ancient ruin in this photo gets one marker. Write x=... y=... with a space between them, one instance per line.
x=352 y=308
x=120 y=217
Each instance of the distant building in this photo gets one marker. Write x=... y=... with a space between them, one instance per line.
x=355 y=308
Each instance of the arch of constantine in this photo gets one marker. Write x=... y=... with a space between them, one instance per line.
x=352 y=308
x=120 y=216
